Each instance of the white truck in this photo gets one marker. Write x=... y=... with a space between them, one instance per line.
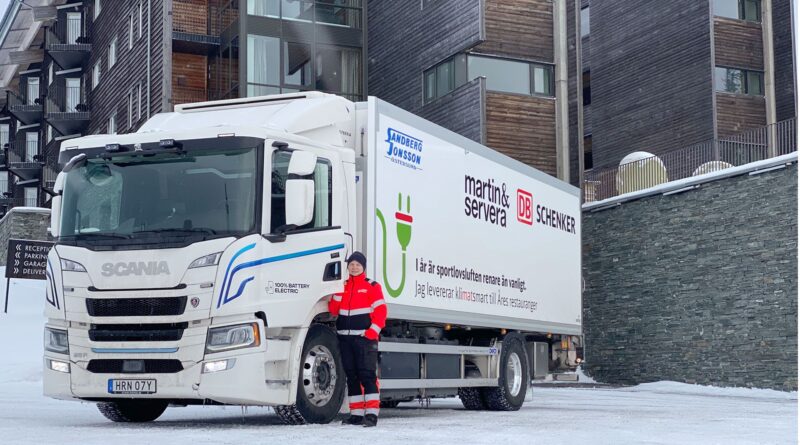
x=195 y=259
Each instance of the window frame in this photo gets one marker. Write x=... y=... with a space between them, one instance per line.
x=97 y=72
x=98 y=8
x=745 y=81
x=741 y=11
x=308 y=227
x=112 y=53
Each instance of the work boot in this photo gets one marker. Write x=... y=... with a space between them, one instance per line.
x=353 y=420
x=370 y=420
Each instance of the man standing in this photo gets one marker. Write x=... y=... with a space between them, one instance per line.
x=361 y=313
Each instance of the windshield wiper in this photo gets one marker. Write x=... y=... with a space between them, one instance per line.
x=96 y=235
x=179 y=231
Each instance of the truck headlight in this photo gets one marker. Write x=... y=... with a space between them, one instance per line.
x=208 y=260
x=55 y=340
x=71 y=266
x=232 y=337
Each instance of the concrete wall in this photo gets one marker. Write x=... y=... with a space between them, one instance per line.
x=697 y=287
x=23 y=223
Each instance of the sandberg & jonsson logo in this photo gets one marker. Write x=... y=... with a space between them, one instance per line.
x=403 y=149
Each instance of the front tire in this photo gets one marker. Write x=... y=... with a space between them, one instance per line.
x=514 y=378
x=321 y=384
x=132 y=410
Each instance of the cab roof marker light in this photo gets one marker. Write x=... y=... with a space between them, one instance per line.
x=226 y=135
x=169 y=143
x=113 y=147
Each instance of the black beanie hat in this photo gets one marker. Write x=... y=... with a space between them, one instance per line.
x=359 y=257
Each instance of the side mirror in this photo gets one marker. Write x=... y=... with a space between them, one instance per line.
x=55 y=206
x=300 y=188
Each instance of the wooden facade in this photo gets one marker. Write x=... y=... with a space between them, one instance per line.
x=738 y=44
x=522 y=127
x=521 y=29
x=739 y=112
x=189 y=78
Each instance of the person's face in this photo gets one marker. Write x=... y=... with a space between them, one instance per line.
x=354 y=267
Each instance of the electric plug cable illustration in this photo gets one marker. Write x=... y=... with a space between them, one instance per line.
x=404 y=221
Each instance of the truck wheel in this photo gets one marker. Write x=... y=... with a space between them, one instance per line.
x=514 y=378
x=132 y=410
x=320 y=387
x=472 y=399
x=389 y=403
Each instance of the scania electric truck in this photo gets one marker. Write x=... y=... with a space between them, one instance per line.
x=194 y=260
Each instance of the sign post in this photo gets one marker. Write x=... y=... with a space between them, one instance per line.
x=27 y=260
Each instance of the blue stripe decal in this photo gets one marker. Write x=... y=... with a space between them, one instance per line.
x=222 y=288
x=134 y=350
x=273 y=259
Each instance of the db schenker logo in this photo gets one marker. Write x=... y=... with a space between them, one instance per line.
x=524 y=207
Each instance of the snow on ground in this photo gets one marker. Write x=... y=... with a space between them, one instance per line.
x=655 y=413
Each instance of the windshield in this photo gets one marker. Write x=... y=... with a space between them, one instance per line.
x=176 y=197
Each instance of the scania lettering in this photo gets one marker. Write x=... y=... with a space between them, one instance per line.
x=194 y=260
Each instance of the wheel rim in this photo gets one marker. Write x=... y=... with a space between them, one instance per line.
x=319 y=375
x=514 y=374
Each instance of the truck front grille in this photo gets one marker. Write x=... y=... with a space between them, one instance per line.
x=151 y=366
x=137 y=332
x=135 y=307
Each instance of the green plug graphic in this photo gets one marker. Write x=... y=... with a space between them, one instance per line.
x=404 y=221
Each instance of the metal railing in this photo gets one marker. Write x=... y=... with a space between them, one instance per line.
x=191 y=17
x=65 y=99
x=67 y=32
x=16 y=103
x=706 y=157
x=185 y=95
x=23 y=153
x=51 y=169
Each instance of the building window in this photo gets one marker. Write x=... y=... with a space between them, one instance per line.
x=263 y=65
x=74 y=27
x=49 y=133
x=341 y=13
x=512 y=76
x=130 y=110
x=4 y=132
x=96 y=73
x=112 y=124
x=31 y=196
x=297 y=64
x=588 y=163
x=445 y=77
x=139 y=102
x=73 y=94
x=130 y=32
x=585 y=21
x=31 y=145
x=97 y=8
x=587 y=88
x=339 y=70
x=112 y=53
x=734 y=80
x=3 y=183
x=33 y=90
x=749 y=10
x=141 y=18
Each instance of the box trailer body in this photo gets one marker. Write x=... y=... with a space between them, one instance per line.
x=195 y=258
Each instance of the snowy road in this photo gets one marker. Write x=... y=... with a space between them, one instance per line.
x=657 y=413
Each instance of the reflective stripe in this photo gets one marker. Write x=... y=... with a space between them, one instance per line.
x=357 y=412
x=375 y=328
x=373 y=411
x=351 y=331
x=377 y=303
x=337 y=298
x=355 y=399
x=366 y=310
x=369 y=397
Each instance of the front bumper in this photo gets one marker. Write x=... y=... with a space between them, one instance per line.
x=244 y=384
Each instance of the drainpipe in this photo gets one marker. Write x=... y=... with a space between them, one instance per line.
x=769 y=77
x=561 y=84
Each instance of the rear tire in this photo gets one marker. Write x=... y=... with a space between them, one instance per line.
x=472 y=399
x=514 y=378
x=132 y=410
x=321 y=383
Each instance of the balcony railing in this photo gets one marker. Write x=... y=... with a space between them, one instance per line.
x=706 y=157
x=66 y=108
x=185 y=95
x=26 y=111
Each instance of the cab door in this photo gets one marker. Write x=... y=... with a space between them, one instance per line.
x=302 y=236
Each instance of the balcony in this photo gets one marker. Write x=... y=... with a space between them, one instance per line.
x=23 y=161
x=49 y=174
x=191 y=27
x=26 y=111
x=68 y=43
x=66 y=109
